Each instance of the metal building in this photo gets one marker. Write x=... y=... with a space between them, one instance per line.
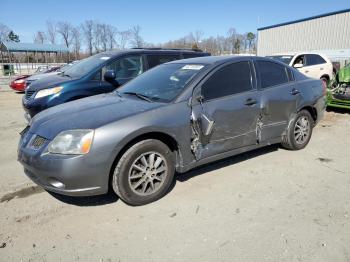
x=329 y=31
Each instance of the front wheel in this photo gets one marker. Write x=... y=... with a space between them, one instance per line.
x=299 y=131
x=144 y=173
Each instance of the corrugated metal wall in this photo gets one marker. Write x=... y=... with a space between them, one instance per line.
x=330 y=32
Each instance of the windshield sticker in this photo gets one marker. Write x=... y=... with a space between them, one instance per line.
x=104 y=57
x=192 y=67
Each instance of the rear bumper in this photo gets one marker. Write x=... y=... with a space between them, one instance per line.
x=320 y=106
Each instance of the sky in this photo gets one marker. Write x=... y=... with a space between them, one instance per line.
x=161 y=21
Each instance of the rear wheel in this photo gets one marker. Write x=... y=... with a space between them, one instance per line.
x=144 y=173
x=299 y=131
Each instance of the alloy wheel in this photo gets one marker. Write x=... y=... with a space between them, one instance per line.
x=147 y=173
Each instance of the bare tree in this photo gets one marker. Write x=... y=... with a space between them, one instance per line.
x=65 y=30
x=231 y=37
x=111 y=35
x=4 y=32
x=96 y=36
x=39 y=37
x=76 y=40
x=51 y=31
x=197 y=36
x=103 y=29
x=137 y=40
x=88 y=29
x=123 y=38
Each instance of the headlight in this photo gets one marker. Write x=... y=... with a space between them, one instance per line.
x=48 y=91
x=72 y=142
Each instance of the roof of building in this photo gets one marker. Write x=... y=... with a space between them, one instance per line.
x=305 y=19
x=31 y=47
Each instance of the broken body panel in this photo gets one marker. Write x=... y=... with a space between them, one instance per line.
x=338 y=93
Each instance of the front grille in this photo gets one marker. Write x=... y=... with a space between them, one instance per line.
x=38 y=142
x=29 y=94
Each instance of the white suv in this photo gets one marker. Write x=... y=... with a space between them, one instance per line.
x=313 y=65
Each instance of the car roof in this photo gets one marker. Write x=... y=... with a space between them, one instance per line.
x=212 y=59
x=114 y=53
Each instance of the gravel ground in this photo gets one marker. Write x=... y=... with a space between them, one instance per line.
x=267 y=205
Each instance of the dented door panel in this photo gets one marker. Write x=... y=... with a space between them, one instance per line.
x=224 y=124
x=277 y=105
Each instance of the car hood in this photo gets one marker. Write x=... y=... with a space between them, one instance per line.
x=50 y=81
x=39 y=76
x=88 y=113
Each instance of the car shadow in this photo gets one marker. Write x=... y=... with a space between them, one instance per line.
x=338 y=110
x=99 y=200
x=110 y=197
x=226 y=162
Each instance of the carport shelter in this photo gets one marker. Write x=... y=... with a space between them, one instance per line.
x=8 y=49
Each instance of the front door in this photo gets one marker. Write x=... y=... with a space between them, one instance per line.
x=225 y=110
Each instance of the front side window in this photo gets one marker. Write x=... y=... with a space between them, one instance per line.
x=271 y=74
x=313 y=59
x=229 y=80
x=125 y=68
x=154 y=60
x=164 y=82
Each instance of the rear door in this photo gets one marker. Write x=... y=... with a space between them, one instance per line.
x=279 y=97
x=225 y=110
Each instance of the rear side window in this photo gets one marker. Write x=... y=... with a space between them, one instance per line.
x=190 y=55
x=229 y=80
x=154 y=60
x=271 y=74
x=313 y=59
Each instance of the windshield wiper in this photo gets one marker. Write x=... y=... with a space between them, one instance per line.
x=141 y=96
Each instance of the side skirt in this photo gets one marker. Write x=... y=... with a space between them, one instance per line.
x=183 y=169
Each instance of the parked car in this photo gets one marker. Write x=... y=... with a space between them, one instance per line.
x=174 y=117
x=19 y=83
x=87 y=77
x=338 y=94
x=56 y=71
x=313 y=65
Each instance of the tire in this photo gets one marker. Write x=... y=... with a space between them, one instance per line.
x=292 y=139
x=140 y=178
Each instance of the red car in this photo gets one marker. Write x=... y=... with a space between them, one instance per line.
x=19 y=84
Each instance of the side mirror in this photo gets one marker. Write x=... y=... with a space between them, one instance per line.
x=298 y=65
x=110 y=76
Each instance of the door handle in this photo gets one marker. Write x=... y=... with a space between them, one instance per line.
x=250 y=102
x=306 y=71
x=321 y=68
x=294 y=92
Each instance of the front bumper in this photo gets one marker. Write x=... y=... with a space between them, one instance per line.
x=72 y=175
x=34 y=106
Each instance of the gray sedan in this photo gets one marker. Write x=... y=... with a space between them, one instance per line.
x=170 y=119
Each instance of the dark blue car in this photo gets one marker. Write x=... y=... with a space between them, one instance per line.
x=101 y=73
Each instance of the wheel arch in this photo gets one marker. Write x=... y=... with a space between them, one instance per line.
x=312 y=110
x=325 y=76
x=161 y=136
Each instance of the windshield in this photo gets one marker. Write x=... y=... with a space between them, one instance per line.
x=282 y=58
x=163 y=83
x=85 y=66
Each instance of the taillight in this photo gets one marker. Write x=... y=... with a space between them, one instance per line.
x=324 y=86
